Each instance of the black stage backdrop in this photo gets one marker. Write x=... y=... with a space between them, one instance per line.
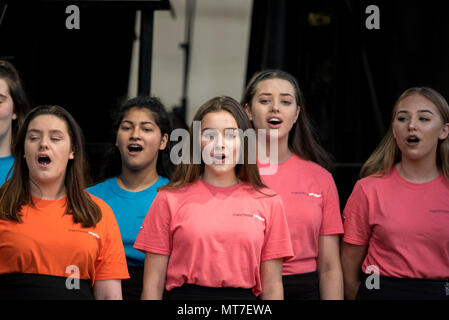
x=351 y=76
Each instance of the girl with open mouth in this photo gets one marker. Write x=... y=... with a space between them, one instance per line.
x=215 y=231
x=13 y=108
x=397 y=217
x=137 y=166
x=56 y=240
x=274 y=102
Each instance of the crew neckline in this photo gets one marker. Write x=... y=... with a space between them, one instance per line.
x=133 y=194
x=42 y=203
x=401 y=179
x=230 y=188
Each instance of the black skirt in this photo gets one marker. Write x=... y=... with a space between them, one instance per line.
x=132 y=287
x=303 y=286
x=194 y=292
x=24 y=286
x=390 y=288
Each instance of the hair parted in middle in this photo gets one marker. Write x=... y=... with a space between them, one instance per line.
x=16 y=191
x=190 y=172
x=302 y=139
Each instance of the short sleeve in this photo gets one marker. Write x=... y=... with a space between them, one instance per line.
x=277 y=243
x=111 y=263
x=356 y=217
x=332 y=221
x=154 y=235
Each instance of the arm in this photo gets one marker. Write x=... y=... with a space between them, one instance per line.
x=352 y=257
x=108 y=290
x=154 y=274
x=329 y=268
x=271 y=277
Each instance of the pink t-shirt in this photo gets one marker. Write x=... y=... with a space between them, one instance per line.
x=216 y=237
x=405 y=225
x=312 y=208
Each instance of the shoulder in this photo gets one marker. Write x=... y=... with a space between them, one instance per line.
x=310 y=167
x=100 y=187
x=104 y=207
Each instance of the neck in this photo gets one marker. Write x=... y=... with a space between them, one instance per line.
x=5 y=144
x=280 y=154
x=137 y=180
x=418 y=171
x=223 y=180
x=48 y=191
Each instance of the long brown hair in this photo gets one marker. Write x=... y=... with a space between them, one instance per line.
x=15 y=193
x=190 y=172
x=302 y=139
x=9 y=74
x=387 y=153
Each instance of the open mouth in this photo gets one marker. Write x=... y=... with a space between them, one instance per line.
x=274 y=123
x=135 y=148
x=413 y=139
x=43 y=160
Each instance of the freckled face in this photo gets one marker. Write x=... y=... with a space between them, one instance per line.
x=417 y=127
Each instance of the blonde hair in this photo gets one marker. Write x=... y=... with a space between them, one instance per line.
x=387 y=153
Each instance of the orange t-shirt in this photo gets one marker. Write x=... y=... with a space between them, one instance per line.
x=405 y=225
x=48 y=242
x=216 y=237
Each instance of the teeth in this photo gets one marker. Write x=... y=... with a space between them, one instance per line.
x=274 y=120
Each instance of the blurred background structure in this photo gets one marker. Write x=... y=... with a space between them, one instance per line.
x=187 y=51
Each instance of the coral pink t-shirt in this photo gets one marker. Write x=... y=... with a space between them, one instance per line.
x=216 y=237
x=312 y=208
x=405 y=225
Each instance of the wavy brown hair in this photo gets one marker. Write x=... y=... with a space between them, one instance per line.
x=302 y=139
x=190 y=172
x=387 y=153
x=15 y=193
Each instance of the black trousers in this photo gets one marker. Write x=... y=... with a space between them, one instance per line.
x=194 y=292
x=403 y=289
x=303 y=286
x=132 y=287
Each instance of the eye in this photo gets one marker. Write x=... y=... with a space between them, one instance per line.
x=401 y=119
x=147 y=129
x=230 y=135
x=55 y=138
x=33 y=138
x=286 y=102
x=424 y=119
x=264 y=101
x=124 y=128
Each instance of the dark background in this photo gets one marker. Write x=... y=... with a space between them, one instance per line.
x=350 y=76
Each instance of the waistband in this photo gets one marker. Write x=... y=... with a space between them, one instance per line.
x=28 y=286
x=195 y=292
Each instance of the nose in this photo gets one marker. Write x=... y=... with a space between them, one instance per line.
x=135 y=133
x=412 y=124
x=43 y=145
x=275 y=105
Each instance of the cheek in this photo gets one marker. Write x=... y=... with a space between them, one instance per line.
x=6 y=111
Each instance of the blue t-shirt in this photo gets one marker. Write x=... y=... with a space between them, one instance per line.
x=130 y=208
x=5 y=164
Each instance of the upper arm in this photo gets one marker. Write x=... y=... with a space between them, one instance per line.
x=271 y=278
x=154 y=276
x=328 y=252
x=108 y=289
x=352 y=256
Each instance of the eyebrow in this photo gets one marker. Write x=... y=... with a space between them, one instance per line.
x=270 y=94
x=142 y=122
x=40 y=131
x=423 y=110
x=202 y=130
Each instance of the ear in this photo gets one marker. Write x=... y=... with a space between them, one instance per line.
x=14 y=116
x=72 y=155
x=164 y=141
x=444 y=132
x=248 y=111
